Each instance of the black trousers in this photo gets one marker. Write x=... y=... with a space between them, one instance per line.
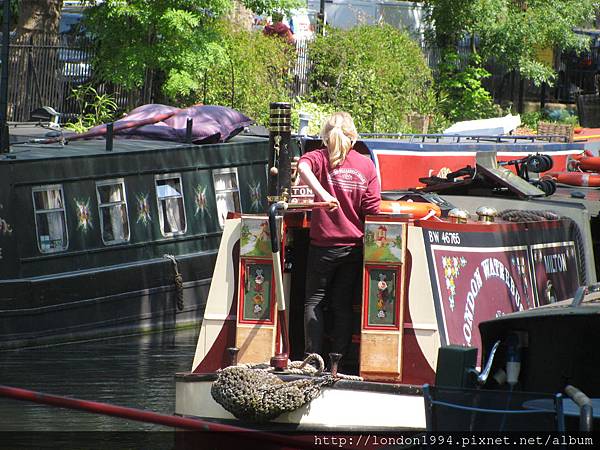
x=333 y=274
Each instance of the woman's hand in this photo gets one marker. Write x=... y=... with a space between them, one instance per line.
x=334 y=203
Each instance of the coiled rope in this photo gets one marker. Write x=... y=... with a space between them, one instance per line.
x=178 y=280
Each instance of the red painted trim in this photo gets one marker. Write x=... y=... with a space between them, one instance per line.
x=217 y=356
x=297 y=219
x=398 y=271
x=241 y=300
x=392 y=166
x=386 y=218
x=415 y=368
x=234 y=215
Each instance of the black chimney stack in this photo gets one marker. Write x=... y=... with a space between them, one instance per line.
x=280 y=169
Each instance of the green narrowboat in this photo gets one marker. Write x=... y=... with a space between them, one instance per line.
x=98 y=240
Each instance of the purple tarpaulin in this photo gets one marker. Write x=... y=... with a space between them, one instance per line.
x=211 y=124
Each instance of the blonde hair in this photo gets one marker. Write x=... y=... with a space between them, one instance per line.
x=339 y=135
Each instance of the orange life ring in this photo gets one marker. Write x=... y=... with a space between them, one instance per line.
x=586 y=161
x=417 y=209
x=577 y=178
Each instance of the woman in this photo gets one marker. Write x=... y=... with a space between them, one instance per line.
x=347 y=180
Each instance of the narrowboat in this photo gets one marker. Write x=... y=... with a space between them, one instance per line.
x=106 y=237
x=432 y=271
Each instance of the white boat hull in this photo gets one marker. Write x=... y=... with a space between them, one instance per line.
x=335 y=409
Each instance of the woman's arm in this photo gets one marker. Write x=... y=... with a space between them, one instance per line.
x=307 y=175
x=371 y=198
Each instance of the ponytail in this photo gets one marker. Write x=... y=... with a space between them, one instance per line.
x=339 y=135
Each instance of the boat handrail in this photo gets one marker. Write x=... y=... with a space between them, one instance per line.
x=457 y=138
x=586 y=411
x=485 y=373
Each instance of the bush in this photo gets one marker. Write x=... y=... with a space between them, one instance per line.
x=255 y=72
x=318 y=115
x=531 y=119
x=564 y=116
x=466 y=98
x=375 y=72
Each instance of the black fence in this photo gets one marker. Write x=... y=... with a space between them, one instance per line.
x=576 y=74
x=44 y=70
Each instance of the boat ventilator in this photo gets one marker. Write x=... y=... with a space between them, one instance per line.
x=253 y=392
x=178 y=280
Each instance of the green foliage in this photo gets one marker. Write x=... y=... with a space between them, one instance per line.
x=374 y=72
x=254 y=72
x=265 y=7
x=564 y=116
x=97 y=108
x=175 y=38
x=512 y=31
x=531 y=119
x=318 y=113
x=466 y=98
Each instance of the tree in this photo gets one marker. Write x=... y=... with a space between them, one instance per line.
x=38 y=17
x=255 y=72
x=37 y=26
x=375 y=71
x=14 y=13
x=177 y=39
x=512 y=31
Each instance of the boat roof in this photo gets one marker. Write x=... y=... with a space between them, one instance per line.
x=443 y=142
x=25 y=145
x=589 y=305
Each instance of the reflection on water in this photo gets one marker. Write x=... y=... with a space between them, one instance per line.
x=132 y=371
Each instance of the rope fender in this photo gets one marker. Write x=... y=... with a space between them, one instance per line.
x=253 y=392
x=178 y=281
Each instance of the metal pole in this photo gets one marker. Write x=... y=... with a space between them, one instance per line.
x=141 y=415
x=4 y=140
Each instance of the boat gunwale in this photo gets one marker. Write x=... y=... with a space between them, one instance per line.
x=344 y=384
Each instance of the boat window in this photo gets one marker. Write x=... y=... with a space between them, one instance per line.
x=171 y=210
x=50 y=220
x=227 y=193
x=112 y=207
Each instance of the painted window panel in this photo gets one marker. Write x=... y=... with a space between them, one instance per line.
x=258 y=292
x=227 y=193
x=112 y=206
x=50 y=220
x=382 y=296
x=171 y=208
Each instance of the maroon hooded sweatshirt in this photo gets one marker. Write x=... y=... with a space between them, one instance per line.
x=356 y=186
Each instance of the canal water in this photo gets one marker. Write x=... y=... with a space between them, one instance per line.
x=134 y=371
